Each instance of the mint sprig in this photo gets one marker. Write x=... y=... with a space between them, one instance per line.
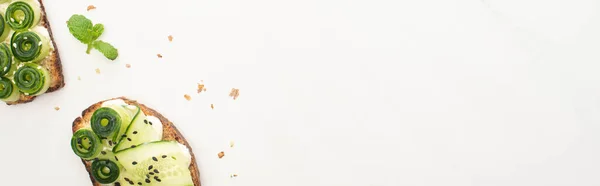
x=85 y=31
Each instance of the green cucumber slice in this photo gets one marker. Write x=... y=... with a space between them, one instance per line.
x=23 y=14
x=29 y=46
x=111 y=121
x=156 y=163
x=140 y=131
x=8 y=90
x=85 y=144
x=105 y=171
x=32 y=79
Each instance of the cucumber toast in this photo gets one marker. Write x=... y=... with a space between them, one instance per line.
x=29 y=62
x=123 y=142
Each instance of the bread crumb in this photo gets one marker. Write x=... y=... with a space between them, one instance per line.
x=79 y=78
x=91 y=7
x=233 y=175
x=159 y=56
x=231 y=144
x=128 y=65
x=170 y=38
x=201 y=88
x=56 y=108
x=97 y=71
x=187 y=97
x=234 y=93
x=212 y=106
x=221 y=154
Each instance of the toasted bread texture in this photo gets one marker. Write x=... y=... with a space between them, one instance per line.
x=52 y=63
x=170 y=132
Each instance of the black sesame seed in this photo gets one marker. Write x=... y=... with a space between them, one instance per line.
x=134 y=163
x=127 y=179
x=124 y=135
x=131 y=182
x=150 y=122
x=158 y=180
x=150 y=167
x=134 y=132
x=116 y=158
x=154 y=158
x=103 y=153
x=147 y=180
x=156 y=171
x=139 y=183
x=117 y=184
x=164 y=156
x=147 y=175
x=132 y=146
x=151 y=173
x=103 y=138
x=110 y=142
x=128 y=139
x=146 y=121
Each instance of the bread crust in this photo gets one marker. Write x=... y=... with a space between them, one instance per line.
x=52 y=63
x=170 y=132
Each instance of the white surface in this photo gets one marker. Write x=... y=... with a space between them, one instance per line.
x=337 y=92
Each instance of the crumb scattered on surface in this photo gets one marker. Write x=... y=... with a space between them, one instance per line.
x=91 y=7
x=97 y=71
x=233 y=175
x=128 y=65
x=57 y=108
x=78 y=77
x=221 y=154
x=234 y=93
x=187 y=97
x=231 y=143
x=170 y=38
x=212 y=106
x=201 y=88
x=159 y=56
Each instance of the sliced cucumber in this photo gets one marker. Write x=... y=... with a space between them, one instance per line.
x=111 y=121
x=156 y=163
x=105 y=171
x=8 y=90
x=140 y=131
x=32 y=79
x=23 y=14
x=4 y=28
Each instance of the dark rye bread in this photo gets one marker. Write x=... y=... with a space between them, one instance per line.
x=52 y=63
x=170 y=132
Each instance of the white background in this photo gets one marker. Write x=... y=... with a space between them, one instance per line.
x=336 y=92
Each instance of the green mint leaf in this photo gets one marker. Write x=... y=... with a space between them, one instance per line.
x=97 y=31
x=105 y=48
x=81 y=28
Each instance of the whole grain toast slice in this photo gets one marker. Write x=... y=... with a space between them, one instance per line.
x=52 y=63
x=170 y=132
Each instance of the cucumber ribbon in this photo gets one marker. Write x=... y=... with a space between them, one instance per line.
x=8 y=90
x=86 y=144
x=105 y=171
x=6 y=62
x=32 y=79
x=29 y=46
x=20 y=15
x=111 y=121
